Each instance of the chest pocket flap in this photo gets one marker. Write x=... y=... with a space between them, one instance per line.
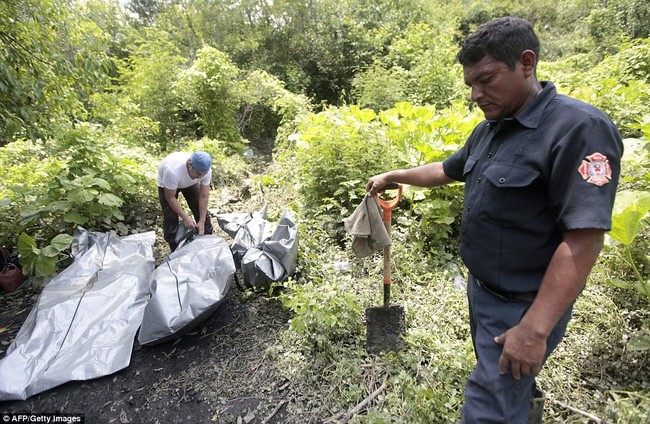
x=503 y=175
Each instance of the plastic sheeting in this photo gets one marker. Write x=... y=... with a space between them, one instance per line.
x=265 y=252
x=187 y=288
x=273 y=260
x=85 y=320
x=247 y=230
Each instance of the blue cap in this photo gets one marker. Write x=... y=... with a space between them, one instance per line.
x=201 y=161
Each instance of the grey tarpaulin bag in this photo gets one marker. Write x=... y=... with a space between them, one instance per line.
x=187 y=288
x=85 y=319
x=246 y=229
x=274 y=259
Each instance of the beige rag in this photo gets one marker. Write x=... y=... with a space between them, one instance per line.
x=367 y=228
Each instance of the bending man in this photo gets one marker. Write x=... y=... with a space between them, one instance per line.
x=189 y=174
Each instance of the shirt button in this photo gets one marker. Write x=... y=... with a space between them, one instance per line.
x=489 y=154
x=467 y=208
x=502 y=180
x=478 y=181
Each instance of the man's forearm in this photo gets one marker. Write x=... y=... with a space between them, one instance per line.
x=175 y=205
x=430 y=175
x=204 y=196
x=564 y=279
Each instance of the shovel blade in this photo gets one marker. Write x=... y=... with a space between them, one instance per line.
x=384 y=329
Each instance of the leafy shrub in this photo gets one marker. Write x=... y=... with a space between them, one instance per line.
x=379 y=88
x=336 y=152
x=265 y=106
x=339 y=149
x=418 y=68
x=210 y=87
x=147 y=89
x=324 y=311
x=51 y=58
x=618 y=85
x=54 y=186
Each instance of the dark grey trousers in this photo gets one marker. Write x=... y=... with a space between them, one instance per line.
x=171 y=218
x=489 y=396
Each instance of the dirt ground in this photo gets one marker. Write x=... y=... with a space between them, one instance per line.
x=217 y=373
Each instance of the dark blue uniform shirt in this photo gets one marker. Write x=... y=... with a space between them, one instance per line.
x=552 y=168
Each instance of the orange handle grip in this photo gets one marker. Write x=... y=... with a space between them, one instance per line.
x=388 y=205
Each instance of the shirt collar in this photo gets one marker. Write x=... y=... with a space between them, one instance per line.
x=532 y=115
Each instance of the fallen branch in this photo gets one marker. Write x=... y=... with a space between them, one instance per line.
x=344 y=418
x=275 y=411
x=589 y=415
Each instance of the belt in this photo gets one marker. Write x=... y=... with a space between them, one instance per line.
x=507 y=296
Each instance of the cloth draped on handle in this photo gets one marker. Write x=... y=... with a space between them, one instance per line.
x=367 y=228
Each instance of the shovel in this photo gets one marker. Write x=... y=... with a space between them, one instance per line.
x=385 y=324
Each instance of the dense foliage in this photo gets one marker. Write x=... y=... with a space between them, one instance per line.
x=93 y=95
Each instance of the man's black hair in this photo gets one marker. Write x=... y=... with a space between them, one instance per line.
x=504 y=39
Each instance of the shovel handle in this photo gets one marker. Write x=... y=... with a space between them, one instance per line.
x=387 y=270
x=387 y=207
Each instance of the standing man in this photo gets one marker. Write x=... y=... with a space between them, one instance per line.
x=189 y=174
x=540 y=177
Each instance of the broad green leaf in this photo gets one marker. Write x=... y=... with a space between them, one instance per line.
x=100 y=182
x=56 y=206
x=83 y=195
x=61 y=242
x=630 y=209
x=616 y=282
x=363 y=115
x=390 y=118
x=75 y=218
x=424 y=113
x=109 y=199
x=27 y=246
x=405 y=109
x=49 y=251
x=45 y=266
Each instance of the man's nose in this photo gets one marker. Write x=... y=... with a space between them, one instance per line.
x=477 y=93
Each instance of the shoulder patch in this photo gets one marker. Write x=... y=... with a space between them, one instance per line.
x=595 y=169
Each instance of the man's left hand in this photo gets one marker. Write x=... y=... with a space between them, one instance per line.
x=200 y=228
x=523 y=351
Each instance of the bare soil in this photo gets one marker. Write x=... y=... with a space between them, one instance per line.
x=217 y=373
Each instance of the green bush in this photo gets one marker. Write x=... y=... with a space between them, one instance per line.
x=78 y=179
x=336 y=151
x=210 y=87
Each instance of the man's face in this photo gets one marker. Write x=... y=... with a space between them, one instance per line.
x=499 y=91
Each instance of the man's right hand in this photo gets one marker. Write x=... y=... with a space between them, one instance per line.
x=189 y=222
x=376 y=183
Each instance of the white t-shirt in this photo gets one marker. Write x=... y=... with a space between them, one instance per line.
x=172 y=172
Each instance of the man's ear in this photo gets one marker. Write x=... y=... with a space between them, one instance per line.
x=528 y=60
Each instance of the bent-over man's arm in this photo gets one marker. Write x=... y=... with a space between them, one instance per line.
x=170 y=196
x=204 y=195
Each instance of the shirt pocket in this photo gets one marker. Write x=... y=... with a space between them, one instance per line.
x=515 y=195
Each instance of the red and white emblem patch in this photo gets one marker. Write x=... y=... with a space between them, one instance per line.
x=596 y=169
